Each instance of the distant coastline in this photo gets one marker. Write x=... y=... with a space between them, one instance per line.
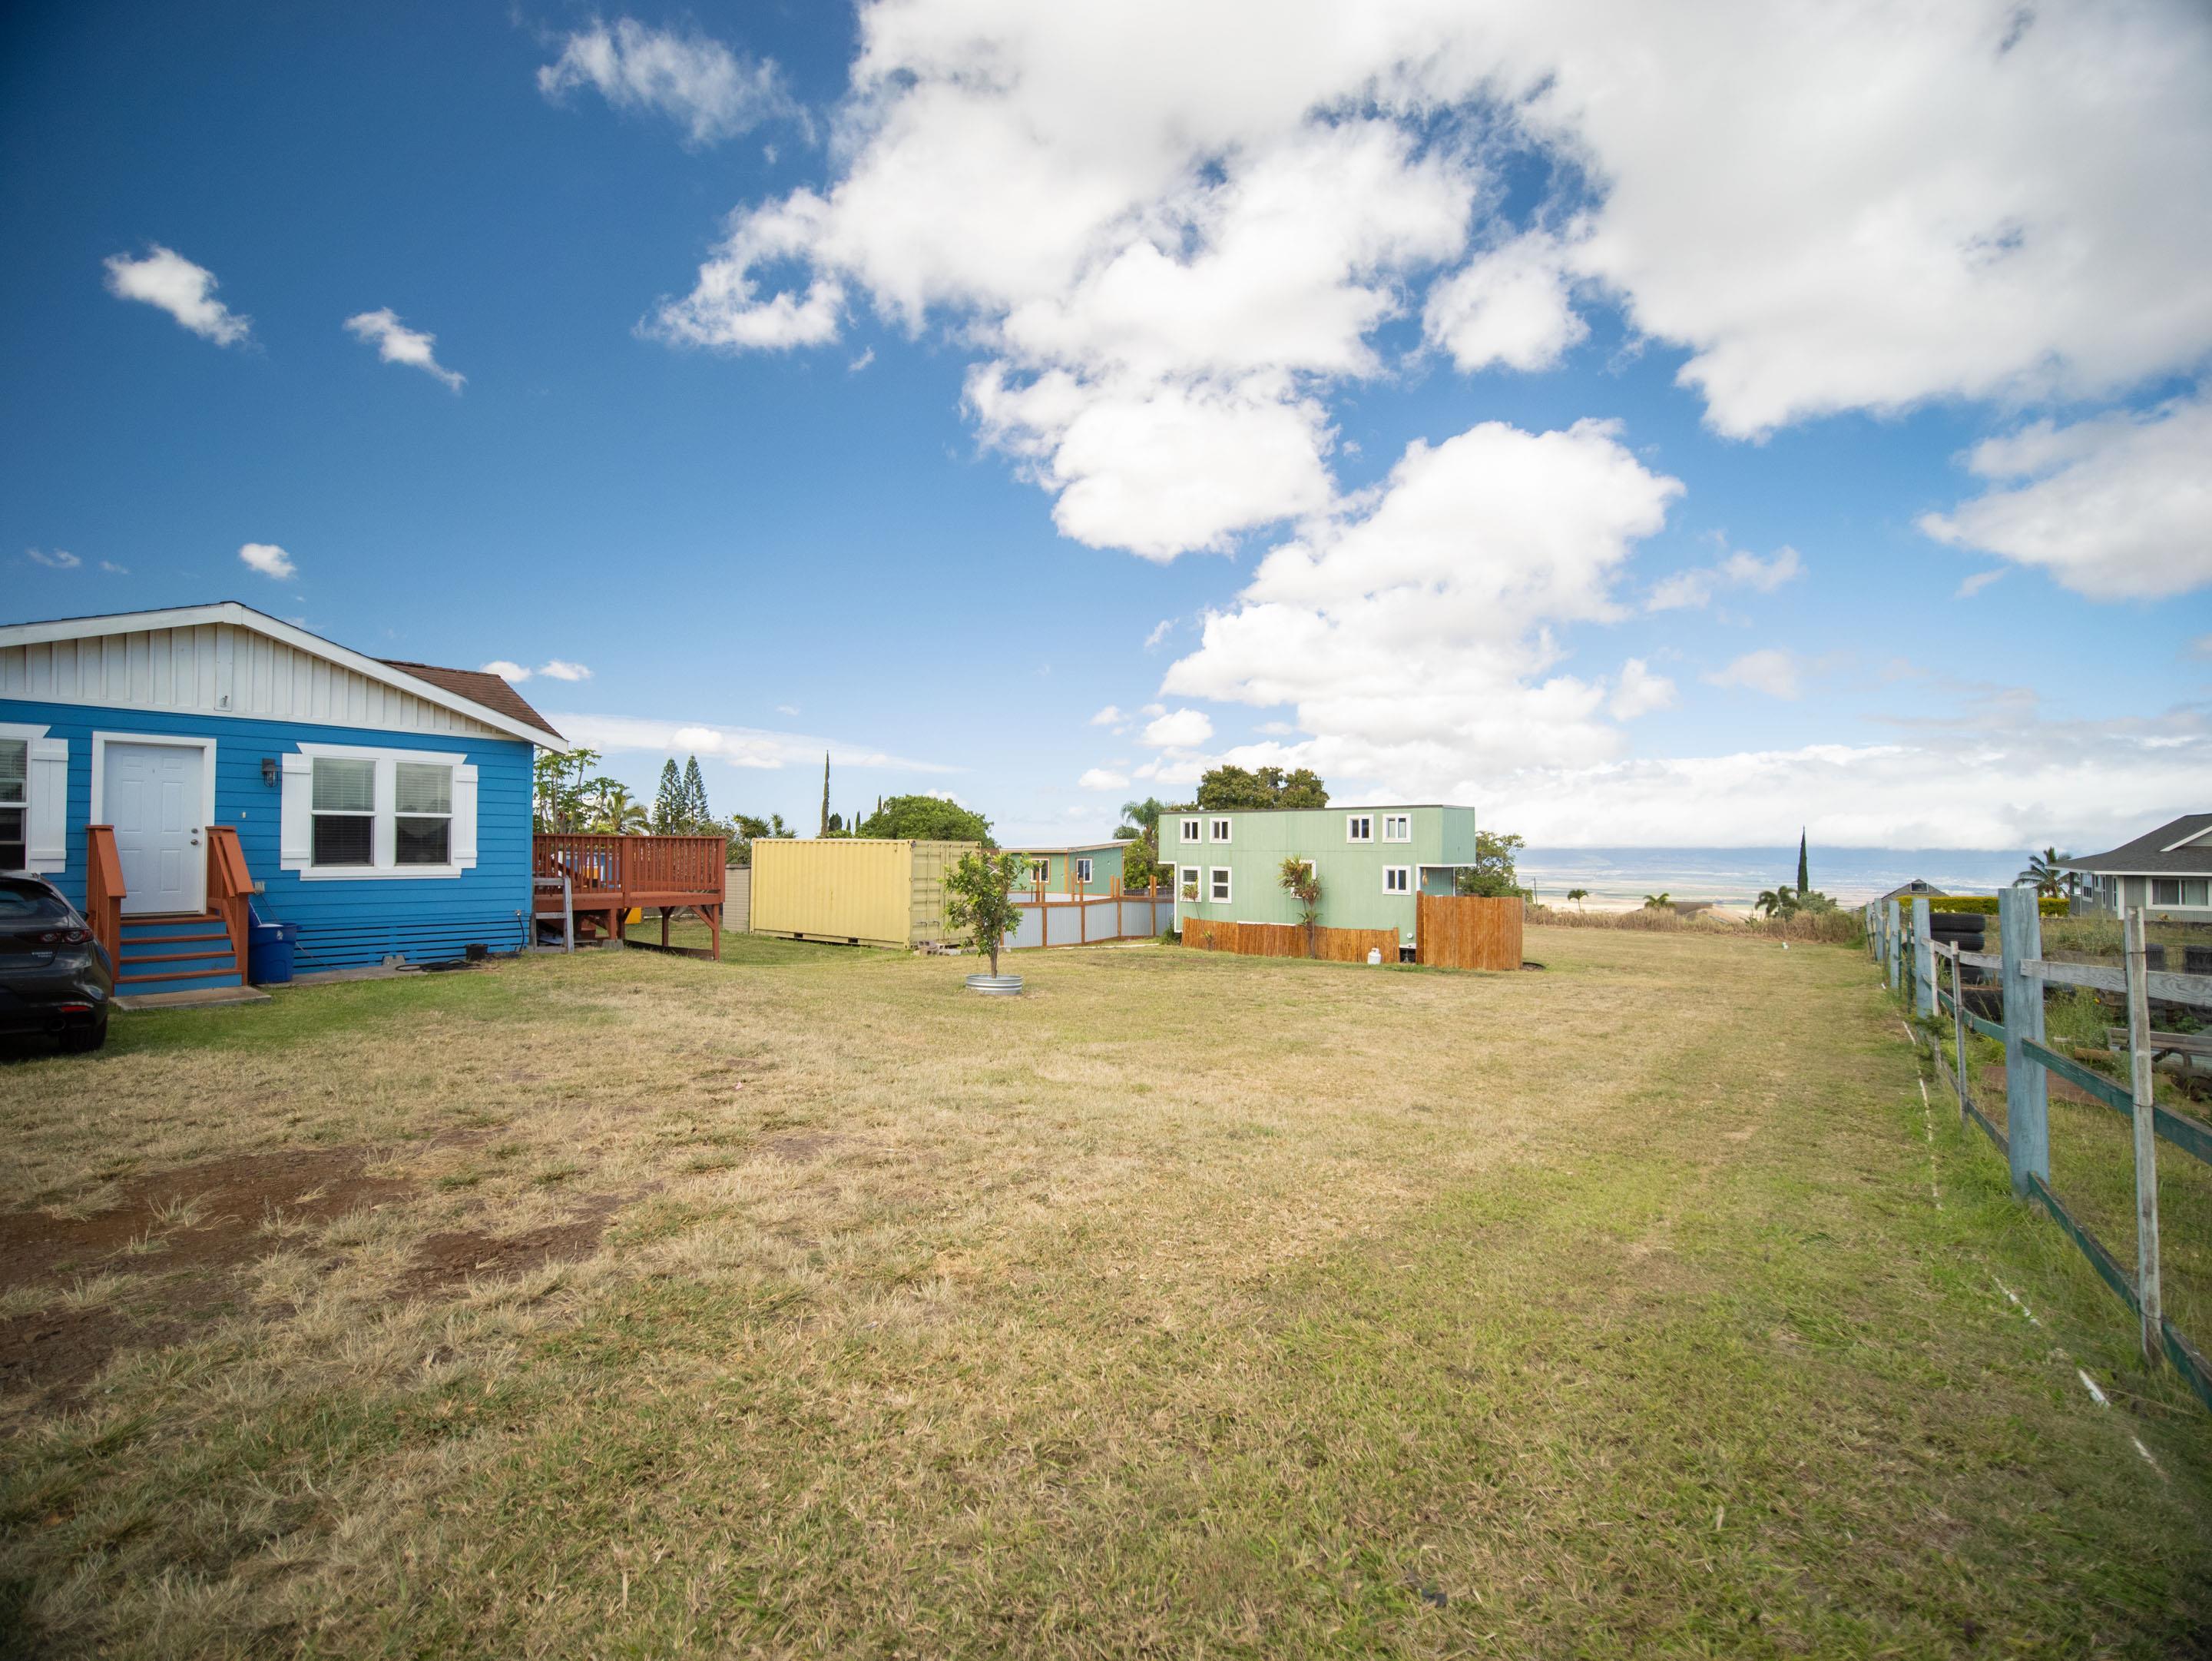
x=1732 y=877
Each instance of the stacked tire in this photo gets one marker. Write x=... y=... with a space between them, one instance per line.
x=1965 y=930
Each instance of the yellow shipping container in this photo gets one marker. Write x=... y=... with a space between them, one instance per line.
x=857 y=890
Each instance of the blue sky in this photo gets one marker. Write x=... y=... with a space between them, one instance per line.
x=1668 y=459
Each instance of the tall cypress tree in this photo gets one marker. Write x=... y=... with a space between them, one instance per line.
x=825 y=794
x=695 y=814
x=668 y=801
x=1804 y=878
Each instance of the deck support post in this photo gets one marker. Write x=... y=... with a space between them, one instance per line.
x=2027 y=1125
x=2148 y=1294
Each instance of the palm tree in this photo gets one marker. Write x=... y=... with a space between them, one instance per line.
x=1578 y=895
x=1658 y=902
x=618 y=815
x=1781 y=901
x=1145 y=815
x=2047 y=872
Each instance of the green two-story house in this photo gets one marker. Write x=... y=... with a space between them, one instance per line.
x=1371 y=861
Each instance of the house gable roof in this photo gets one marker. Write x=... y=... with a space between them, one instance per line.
x=2180 y=849
x=500 y=717
x=481 y=686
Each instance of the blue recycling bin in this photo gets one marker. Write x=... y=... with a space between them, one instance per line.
x=269 y=948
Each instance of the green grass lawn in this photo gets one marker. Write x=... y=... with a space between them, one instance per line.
x=804 y=1303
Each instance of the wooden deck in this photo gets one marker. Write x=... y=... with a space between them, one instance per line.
x=608 y=877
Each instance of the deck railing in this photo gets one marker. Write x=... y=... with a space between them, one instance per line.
x=229 y=887
x=103 y=891
x=613 y=866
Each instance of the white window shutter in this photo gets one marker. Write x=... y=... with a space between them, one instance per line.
x=464 y=816
x=296 y=840
x=48 y=836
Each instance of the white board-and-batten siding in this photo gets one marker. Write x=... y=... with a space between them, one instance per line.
x=218 y=669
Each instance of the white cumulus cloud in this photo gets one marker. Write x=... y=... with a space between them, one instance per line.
x=1510 y=307
x=1639 y=691
x=269 y=559
x=1179 y=729
x=505 y=668
x=710 y=91
x=559 y=669
x=166 y=279
x=1772 y=672
x=1103 y=778
x=56 y=559
x=2115 y=506
x=1110 y=715
x=1695 y=587
x=396 y=342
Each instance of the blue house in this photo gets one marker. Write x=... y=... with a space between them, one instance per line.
x=382 y=806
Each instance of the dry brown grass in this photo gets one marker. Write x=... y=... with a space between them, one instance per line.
x=1187 y=1303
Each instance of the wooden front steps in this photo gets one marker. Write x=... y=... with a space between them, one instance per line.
x=174 y=951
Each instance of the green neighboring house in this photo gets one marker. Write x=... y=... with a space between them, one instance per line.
x=1090 y=867
x=1371 y=861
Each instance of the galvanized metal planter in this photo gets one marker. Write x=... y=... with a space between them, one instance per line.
x=995 y=986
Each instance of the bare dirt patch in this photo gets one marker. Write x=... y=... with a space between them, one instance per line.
x=187 y=1228
x=446 y=1260
x=803 y=1146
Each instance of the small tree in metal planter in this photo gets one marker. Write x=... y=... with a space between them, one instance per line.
x=1303 y=884
x=979 y=898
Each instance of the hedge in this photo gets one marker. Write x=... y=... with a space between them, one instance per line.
x=1982 y=904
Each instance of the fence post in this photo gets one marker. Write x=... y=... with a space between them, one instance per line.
x=1890 y=930
x=1923 y=960
x=2146 y=1129
x=1959 y=1027
x=2028 y=1127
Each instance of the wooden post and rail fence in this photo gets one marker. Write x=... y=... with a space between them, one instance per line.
x=1906 y=947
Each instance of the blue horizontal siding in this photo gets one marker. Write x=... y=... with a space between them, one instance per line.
x=343 y=924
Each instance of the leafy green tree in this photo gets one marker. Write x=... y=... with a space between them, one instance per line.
x=1301 y=882
x=926 y=818
x=979 y=898
x=1492 y=874
x=1226 y=787
x=1140 y=865
x=1658 y=902
x=560 y=798
x=615 y=812
x=745 y=830
x=1578 y=895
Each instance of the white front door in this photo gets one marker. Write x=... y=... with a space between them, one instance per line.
x=153 y=795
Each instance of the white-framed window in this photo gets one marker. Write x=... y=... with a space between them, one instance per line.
x=1359 y=827
x=351 y=812
x=1216 y=830
x=1190 y=830
x=1040 y=872
x=1397 y=827
x=33 y=800
x=15 y=804
x=2178 y=890
x=1190 y=882
x=1083 y=869
x=1217 y=890
x=344 y=803
x=422 y=813
x=1397 y=879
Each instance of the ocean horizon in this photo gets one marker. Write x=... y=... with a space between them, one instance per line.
x=1618 y=877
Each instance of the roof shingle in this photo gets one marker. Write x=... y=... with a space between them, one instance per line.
x=2147 y=855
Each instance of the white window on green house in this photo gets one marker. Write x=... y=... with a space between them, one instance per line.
x=1358 y=827
x=344 y=808
x=1190 y=882
x=422 y=813
x=1397 y=827
x=1190 y=830
x=1083 y=869
x=1397 y=879
x=1217 y=830
x=1219 y=891
x=1040 y=872
x=15 y=804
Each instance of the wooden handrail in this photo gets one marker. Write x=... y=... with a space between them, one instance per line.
x=103 y=890
x=229 y=887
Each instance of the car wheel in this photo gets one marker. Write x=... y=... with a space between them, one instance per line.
x=80 y=1040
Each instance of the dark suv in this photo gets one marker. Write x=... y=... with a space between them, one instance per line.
x=54 y=976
